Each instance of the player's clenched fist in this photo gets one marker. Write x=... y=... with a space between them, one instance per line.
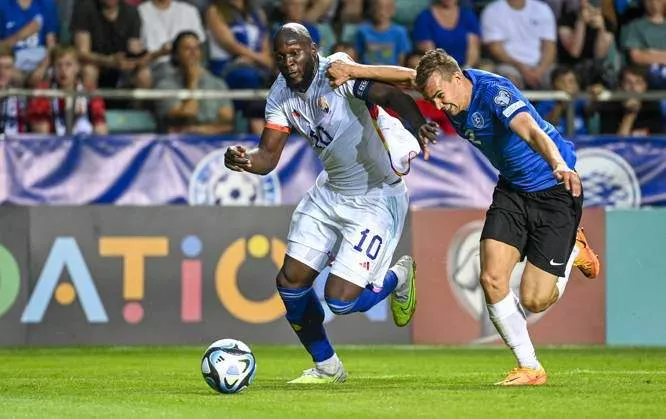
x=338 y=73
x=235 y=158
x=427 y=134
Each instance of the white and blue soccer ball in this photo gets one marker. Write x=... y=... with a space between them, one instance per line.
x=228 y=366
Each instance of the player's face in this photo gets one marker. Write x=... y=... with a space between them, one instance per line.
x=296 y=63
x=444 y=94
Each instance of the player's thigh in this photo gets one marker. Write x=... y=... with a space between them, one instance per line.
x=553 y=218
x=506 y=221
x=309 y=244
x=371 y=229
x=537 y=288
x=497 y=262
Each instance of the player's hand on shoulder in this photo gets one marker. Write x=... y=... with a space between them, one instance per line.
x=427 y=135
x=338 y=73
x=235 y=158
x=570 y=178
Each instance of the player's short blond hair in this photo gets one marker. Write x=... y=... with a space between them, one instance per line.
x=436 y=60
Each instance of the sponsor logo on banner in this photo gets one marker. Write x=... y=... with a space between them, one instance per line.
x=65 y=256
x=608 y=179
x=464 y=272
x=212 y=183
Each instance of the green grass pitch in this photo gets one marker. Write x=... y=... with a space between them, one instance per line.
x=384 y=381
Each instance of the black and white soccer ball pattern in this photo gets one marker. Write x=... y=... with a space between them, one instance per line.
x=228 y=366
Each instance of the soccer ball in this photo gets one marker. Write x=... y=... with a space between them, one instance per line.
x=228 y=366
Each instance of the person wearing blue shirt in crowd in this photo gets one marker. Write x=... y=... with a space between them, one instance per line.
x=451 y=27
x=30 y=51
x=537 y=203
x=381 y=41
x=563 y=78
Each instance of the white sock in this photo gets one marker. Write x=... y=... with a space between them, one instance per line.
x=329 y=366
x=509 y=320
x=563 y=280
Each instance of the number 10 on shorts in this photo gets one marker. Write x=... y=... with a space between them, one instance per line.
x=372 y=249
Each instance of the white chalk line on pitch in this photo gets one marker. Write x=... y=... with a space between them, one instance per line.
x=552 y=373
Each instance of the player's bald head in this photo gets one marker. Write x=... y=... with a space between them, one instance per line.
x=292 y=33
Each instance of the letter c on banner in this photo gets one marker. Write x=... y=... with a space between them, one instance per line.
x=226 y=281
x=10 y=280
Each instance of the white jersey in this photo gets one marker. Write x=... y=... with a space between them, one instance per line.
x=340 y=128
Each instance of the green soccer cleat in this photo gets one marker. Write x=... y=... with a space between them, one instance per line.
x=317 y=376
x=403 y=299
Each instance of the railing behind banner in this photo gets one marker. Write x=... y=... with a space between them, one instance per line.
x=182 y=94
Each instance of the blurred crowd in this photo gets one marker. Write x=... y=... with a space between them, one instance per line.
x=573 y=46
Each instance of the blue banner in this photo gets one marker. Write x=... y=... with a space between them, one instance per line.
x=157 y=170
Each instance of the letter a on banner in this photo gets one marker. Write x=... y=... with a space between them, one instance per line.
x=65 y=254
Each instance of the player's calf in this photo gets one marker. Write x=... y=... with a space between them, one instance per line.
x=344 y=297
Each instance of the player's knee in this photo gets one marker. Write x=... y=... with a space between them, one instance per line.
x=285 y=279
x=493 y=283
x=534 y=304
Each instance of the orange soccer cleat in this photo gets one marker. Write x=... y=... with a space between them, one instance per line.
x=587 y=260
x=523 y=376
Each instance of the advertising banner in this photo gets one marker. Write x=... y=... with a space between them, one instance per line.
x=158 y=275
x=159 y=170
x=452 y=307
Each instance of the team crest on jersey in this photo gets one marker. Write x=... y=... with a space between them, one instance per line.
x=503 y=98
x=213 y=184
x=323 y=104
x=477 y=120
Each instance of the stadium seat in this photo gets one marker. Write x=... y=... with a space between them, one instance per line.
x=130 y=121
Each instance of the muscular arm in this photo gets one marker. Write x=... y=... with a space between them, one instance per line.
x=340 y=71
x=526 y=127
x=265 y=157
x=388 y=96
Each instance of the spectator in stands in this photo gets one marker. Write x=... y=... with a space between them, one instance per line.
x=584 y=42
x=240 y=52
x=632 y=117
x=320 y=10
x=521 y=34
x=12 y=119
x=644 y=41
x=206 y=116
x=161 y=21
x=107 y=35
x=448 y=26
x=380 y=41
x=347 y=48
x=294 y=11
x=31 y=27
x=49 y=116
x=563 y=79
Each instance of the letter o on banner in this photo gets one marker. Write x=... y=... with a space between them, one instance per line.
x=226 y=281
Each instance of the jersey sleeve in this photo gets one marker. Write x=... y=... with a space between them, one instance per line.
x=505 y=102
x=275 y=116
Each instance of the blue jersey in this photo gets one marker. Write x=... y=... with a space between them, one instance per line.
x=495 y=102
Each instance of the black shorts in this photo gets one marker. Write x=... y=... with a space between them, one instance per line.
x=541 y=225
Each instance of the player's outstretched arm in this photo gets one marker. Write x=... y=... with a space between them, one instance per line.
x=526 y=127
x=260 y=160
x=388 y=96
x=341 y=71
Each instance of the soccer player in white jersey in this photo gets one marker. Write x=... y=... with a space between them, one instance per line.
x=353 y=216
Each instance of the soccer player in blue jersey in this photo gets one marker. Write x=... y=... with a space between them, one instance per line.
x=537 y=203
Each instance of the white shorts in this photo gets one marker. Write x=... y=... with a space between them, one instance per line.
x=356 y=234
